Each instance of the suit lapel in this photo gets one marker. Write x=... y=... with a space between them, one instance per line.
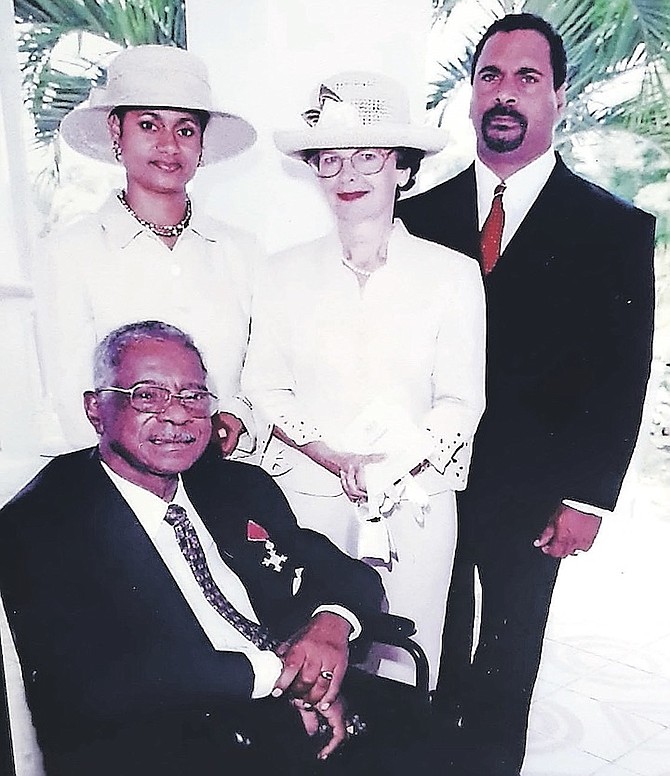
x=124 y=553
x=540 y=229
x=225 y=502
x=116 y=523
x=446 y=214
x=462 y=226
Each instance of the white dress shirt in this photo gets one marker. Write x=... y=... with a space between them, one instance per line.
x=521 y=190
x=150 y=511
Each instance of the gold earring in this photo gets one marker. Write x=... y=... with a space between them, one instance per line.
x=116 y=148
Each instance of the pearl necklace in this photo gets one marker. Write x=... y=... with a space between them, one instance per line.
x=160 y=230
x=364 y=273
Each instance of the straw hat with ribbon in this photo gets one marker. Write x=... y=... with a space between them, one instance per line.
x=155 y=77
x=359 y=110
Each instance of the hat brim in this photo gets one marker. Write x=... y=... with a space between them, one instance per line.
x=85 y=129
x=294 y=143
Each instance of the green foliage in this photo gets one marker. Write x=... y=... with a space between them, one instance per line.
x=49 y=92
x=442 y=8
x=606 y=40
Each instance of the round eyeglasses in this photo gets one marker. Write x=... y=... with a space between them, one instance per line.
x=367 y=161
x=154 y=399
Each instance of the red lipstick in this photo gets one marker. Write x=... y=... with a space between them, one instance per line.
x=350 y=196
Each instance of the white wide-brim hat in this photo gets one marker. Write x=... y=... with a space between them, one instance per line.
x=155 y=77
x=359 y=109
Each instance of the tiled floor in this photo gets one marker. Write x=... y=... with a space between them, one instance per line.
x=602 y=702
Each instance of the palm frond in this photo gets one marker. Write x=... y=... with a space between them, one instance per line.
x=453 y=73
x=442 y=8
x=48 y=91
x=456 y=69
x=646 y=115
x=56 y=94
x=47 y=11
x=604 y=39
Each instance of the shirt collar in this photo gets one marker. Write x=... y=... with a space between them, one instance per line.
x=521 y=188
x=122 y=228
x=148 y=508
x=399 y=238
x=203 y=225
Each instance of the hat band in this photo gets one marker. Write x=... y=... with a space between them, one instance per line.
x=178 y=89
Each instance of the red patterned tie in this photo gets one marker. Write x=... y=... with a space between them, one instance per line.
x=492 y=230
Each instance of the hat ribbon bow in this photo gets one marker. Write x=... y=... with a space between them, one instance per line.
x=313 y=115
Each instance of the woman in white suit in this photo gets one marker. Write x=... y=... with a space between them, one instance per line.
x=367 y=357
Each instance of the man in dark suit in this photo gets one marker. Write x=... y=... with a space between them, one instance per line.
x=129 y=667
x=569 y=284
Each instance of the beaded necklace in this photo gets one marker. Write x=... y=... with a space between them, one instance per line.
x=160 y=230
x=363 y=273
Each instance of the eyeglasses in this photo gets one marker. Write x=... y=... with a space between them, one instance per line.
x=367 y=161
x=154 y=399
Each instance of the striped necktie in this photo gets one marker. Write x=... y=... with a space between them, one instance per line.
x=191 y=549
x=491 y=233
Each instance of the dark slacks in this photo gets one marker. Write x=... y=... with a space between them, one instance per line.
x=485 y=700
x=264 y=736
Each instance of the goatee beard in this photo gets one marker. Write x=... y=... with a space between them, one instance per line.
x=502 y=145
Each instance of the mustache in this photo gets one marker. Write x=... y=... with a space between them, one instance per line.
x=501 y=110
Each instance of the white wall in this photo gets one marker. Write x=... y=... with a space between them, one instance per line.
x=265 y=59
x=20 y=392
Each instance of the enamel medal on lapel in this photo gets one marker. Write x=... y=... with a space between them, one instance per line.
x=273 y=559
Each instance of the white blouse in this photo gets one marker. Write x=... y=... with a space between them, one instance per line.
x=106 y=270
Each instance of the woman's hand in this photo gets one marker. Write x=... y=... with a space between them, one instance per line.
x=352 y=473
x=349 y=467
x=226 y=431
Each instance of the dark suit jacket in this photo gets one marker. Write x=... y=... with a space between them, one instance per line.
x=104 y=635
x=570 y=316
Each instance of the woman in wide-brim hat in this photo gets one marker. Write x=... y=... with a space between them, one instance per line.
x=147 y=253
x=367 y=357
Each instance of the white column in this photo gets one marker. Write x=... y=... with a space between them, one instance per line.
x=20 y=393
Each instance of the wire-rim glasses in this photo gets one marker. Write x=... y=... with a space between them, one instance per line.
x=367 y=161
x=154 y=399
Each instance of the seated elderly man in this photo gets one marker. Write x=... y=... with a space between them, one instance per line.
x=135 y=576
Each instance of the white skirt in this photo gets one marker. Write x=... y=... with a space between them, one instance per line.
x=417 y=579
